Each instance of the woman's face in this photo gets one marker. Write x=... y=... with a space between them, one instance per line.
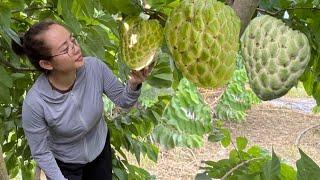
x=66 y=53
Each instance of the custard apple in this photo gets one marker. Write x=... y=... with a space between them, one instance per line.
x=203 y=38
x=140 y=40
x=275 y=56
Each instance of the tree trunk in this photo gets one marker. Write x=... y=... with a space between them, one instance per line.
x=3 y=169
x=245 y=10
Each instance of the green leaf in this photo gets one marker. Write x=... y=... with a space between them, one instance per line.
x=257 y=165
x=5 y=16
x=11 y=162
x=159 y=83
x=185 y=120
x=163 y=76
x=5 y=78
x=137 y=149
x=316 y=92
x=226 y=139
x=13 y=35
x=164 y=137
x=159 y=3
x=275 y=4
x=120 y=173
x=236 y=99
x=95 y=41
x=316 y=109
x=202 y=176
x=288 y=172
x=152 y=153
x=241 y=143
x=215 y=137
x=235 y=156
x=4 y=94
x=138 y=173
x=129 y=7
x=14 y=172
x=307 y=168
x=16 y=4
x=271 y=170
x=70 y=21
x=86 y=6
x=108 y=5
x=177 y=76
x=247 y=177
x=255 y=151
x=8 y=146
x=219 y=169
x=27 y=171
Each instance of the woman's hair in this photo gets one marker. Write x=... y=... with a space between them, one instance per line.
x=32 y=45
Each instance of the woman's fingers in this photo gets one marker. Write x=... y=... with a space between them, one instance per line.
x=147 y=70
x=141 y=75
x=138 y=75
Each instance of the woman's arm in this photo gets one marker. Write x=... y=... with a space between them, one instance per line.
x=36 y=131
x=124 y=96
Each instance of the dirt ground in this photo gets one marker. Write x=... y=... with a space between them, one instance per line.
x=267 y=125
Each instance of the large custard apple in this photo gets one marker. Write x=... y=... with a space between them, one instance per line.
x=203 y=38
x=140 y=40
x=275 y=56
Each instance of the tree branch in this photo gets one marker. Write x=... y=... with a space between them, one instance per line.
x=245 y=10
x=303 y=132
x=156 y=15
x=16 y=69
x=238 y=166
x=230 y=2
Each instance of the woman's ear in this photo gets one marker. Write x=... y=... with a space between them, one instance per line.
x=45 y=64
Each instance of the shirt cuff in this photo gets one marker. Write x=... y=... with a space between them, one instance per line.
x=138 y=87
x=134 y=92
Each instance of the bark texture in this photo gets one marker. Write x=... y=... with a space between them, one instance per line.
x=3 y=169
x=245 y=10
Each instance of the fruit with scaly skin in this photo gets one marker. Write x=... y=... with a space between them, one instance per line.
x=203 y=38
x=275 y=56
x=140 y=40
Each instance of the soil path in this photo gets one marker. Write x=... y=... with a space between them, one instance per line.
x=299 y=104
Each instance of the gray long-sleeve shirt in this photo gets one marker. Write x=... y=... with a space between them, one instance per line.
x=70 y=126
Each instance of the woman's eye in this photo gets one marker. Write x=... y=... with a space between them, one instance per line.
x=66 y=49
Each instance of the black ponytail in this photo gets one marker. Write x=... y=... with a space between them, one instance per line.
x=32 y=46
x=18 y=48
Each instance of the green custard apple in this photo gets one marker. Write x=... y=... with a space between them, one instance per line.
x=275 y=56
x=140 y=41
x=203 y=39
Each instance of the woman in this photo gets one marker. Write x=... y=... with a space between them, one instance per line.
x=62 y=113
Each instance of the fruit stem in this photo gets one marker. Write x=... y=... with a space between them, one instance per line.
x=161 y=17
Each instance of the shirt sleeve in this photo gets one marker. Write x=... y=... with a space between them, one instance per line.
x=36 y=130
x=121 y=95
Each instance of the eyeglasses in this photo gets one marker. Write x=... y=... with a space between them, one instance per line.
x=68 y=50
